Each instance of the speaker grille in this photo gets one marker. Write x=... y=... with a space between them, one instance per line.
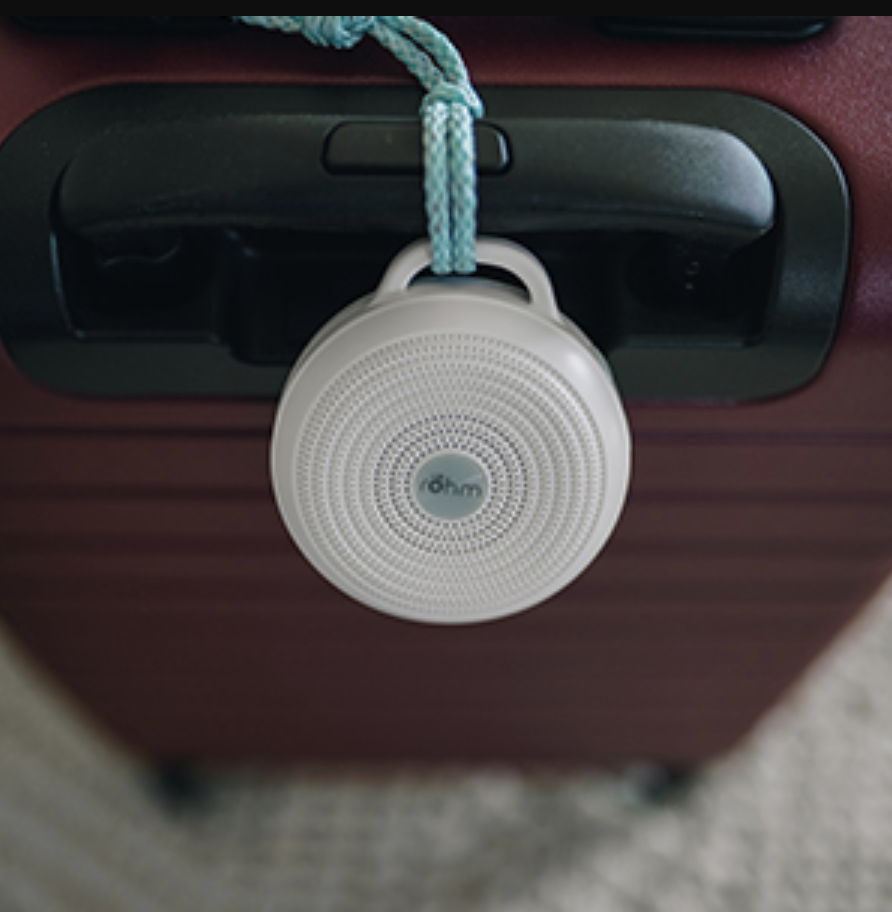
x=491 y=404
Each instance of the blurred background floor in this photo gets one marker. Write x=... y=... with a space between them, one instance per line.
x=799 y=820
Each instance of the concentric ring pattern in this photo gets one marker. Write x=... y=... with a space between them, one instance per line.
x=392 y=412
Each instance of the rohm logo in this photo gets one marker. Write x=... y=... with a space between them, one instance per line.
x=443 y=486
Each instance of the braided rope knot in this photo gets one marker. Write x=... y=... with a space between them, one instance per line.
x=449 y=111
x=339 y=32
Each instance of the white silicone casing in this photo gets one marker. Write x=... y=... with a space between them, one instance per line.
x=465 y=374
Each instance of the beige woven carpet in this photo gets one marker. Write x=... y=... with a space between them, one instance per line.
x=799 y=821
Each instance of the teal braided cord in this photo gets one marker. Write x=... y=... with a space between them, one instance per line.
x=449 y=112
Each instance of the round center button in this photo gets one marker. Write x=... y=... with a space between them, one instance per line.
x=452 y=487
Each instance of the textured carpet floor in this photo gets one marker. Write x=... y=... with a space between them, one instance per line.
x=799 y=821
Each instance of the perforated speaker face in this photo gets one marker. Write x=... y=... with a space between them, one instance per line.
x=447 y=454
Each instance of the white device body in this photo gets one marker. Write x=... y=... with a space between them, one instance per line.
x=452 y=451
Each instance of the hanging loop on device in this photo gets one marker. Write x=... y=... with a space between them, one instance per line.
x=449 y=112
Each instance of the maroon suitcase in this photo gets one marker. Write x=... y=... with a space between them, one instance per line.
x=142 y=559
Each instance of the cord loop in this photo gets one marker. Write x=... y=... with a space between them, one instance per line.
x=450 y=93
x=449 y=111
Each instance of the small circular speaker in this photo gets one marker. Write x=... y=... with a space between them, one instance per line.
x=452 y=451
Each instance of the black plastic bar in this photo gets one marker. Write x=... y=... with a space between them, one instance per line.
x=272 y=172
x=717 y=28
